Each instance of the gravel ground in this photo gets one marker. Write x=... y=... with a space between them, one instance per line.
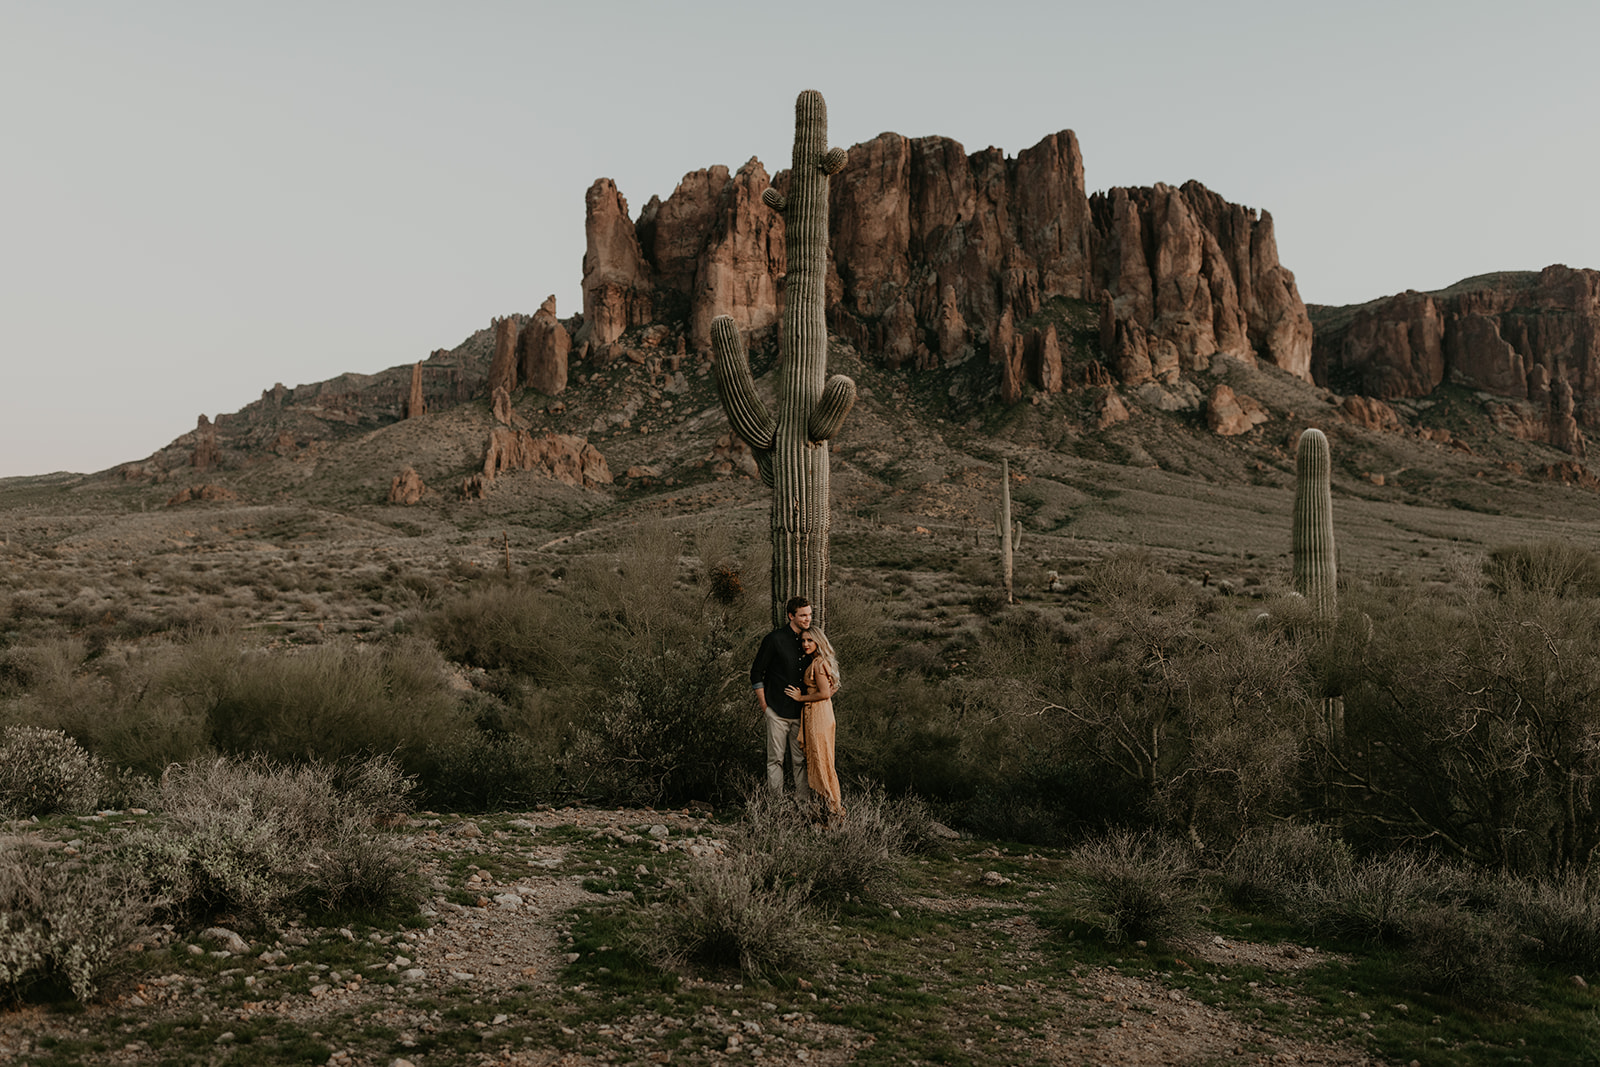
x=512 y=935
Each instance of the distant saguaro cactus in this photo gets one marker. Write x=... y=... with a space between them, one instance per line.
x=1010 y=535
x=791 y=450
x=1315 y=568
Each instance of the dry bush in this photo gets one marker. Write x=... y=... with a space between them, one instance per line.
x=1561 y=917
x=1273 y=865
x=1371 y=900
x=857 y=855
x=727 y=914
x=1137 y=887
x=252 y=837
x=1461 y=953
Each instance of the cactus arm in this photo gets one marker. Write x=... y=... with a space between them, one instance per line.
x=1315 y=562
x=774 y=199
x=835 y=159
x=764 y=466
x=838 y=397
x=749 y=416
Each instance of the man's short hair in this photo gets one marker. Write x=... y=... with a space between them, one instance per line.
x=795 y=604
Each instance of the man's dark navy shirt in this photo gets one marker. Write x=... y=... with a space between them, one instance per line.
x=777 y=667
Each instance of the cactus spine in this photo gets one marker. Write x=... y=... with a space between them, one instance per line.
x=1010 y=535
x=791 y=449
x=1315 y=567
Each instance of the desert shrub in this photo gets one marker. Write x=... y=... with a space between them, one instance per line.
x=502 y=626
x=1469 y=720
x=1370 y=900
x=673 y=727
x=853 y=856
x=728 y=913
x=1561 y=918
x=921 y=832
x=1136 y=886
x=43 y=772
x=65 y=925
x=1551 y=568
x=1461 y=953
x=337 y=701
x=478 y=771
x=1273 y=864
x=1202 y=724
x=251 y=837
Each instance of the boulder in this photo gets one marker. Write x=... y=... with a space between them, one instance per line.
x=503 y=366
x=1229 y=414
x=416 y=405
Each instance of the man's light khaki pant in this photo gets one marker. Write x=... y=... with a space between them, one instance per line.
x=785 y=733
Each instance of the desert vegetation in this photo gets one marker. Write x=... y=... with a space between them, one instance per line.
x=1162 y=746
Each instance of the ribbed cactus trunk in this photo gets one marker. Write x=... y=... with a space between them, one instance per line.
x=1316 y=574
x=791 y=450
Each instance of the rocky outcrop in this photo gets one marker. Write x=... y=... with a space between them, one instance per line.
x=1229 y=414
x=503 y=367
x=1370 y=414
x=206 y=453
x=616 y=279
x=567 y=459
x=407 y=488
x=931 y=246
x=1531 y=339
x=416 y=404
x=202 y=492
x=545 y=348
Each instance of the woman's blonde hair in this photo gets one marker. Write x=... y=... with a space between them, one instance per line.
x=825 y=650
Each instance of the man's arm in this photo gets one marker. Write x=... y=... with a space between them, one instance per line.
x=758 y=672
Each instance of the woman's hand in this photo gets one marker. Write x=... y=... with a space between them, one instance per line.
x=792 y=692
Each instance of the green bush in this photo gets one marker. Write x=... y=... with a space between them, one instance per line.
x=674 y=727
x=728 y=914
x=65 y=926
x=337 y=701
x=1136 y=887
x=43 y=772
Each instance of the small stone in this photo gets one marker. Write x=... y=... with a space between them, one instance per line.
x=345 y=933
x=415 y=974
x=224 y=1037
x=498 y=1019
x=1578 y=982
x=226 y=938
x=196 y=950
x=1401 y=1008
x=572 y=957
x=319 y=990
x=658 y=831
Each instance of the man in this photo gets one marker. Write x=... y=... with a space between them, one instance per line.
x=776 y=668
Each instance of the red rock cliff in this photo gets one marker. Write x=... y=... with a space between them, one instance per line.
x=930 y=247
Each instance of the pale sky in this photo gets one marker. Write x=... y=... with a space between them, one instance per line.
x=200 y=199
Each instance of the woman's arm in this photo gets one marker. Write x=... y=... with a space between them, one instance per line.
x=822 y=687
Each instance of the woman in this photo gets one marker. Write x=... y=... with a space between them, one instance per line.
x=817 y=725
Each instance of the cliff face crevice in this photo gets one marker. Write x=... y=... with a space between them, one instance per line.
x=1532 y=339
x=932 y=246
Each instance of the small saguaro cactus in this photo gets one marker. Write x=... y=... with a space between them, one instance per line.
x=1010 y=534
x=1315 y=568
x=791 y=449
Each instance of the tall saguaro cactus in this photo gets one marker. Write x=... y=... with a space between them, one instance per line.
x=791 y=449
x=1010 y=535
x=1315 y=568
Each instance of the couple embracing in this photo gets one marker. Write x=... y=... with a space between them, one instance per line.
x=795 y=676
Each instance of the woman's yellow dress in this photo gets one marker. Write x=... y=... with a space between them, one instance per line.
x=818 y=734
